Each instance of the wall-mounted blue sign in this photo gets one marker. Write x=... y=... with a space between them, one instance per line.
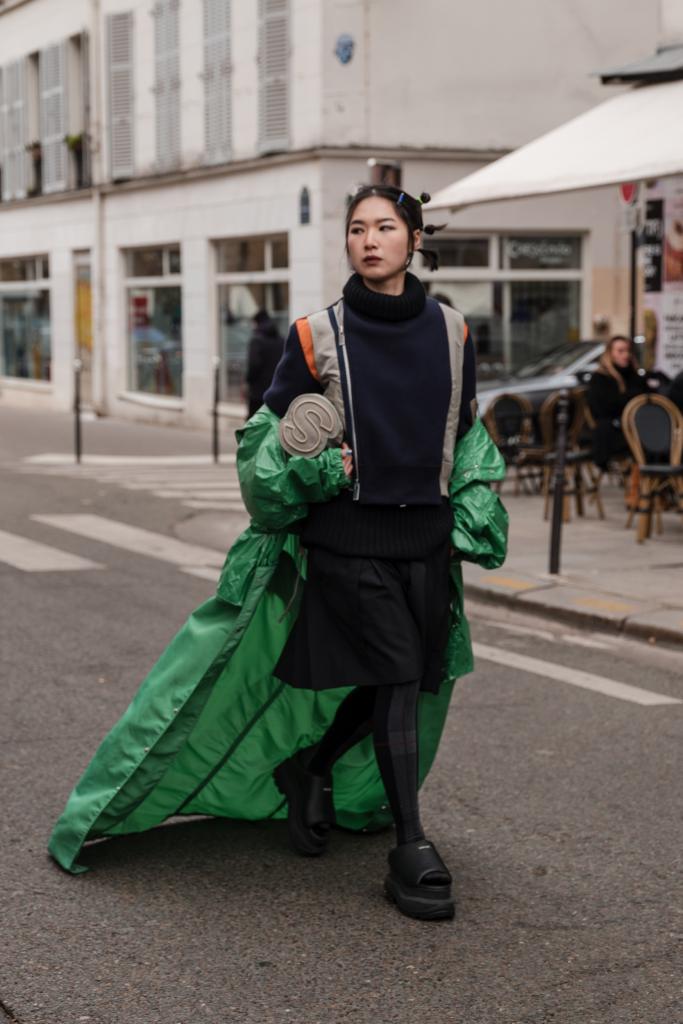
x=344 y=48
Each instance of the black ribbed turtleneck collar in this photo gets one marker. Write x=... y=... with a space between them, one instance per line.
x=379 y=306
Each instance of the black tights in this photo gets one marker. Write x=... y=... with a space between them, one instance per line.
x=390 y=714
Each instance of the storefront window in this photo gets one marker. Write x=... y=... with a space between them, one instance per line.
x=25 y=332
x=460 y=252
x=155 y=321
x=531 y=253
x=252 y=275
x=237 y=304
x=241 y=255
x=31 y=268
x=521 y=306
x=250 y=255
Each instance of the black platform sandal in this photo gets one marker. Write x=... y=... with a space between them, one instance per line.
x=419 y=882
x=311 y=810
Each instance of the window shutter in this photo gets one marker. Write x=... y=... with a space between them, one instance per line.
x=15 y=157
x=120 y=60
x=217 y=81
x=4 y=151
x=167 y=82
x=274 y=74
x=53 y=116
x=86 y=118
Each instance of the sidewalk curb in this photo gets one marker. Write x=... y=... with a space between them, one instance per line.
x=575 y=616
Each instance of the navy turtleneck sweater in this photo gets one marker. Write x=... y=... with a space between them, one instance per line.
x=397 y=349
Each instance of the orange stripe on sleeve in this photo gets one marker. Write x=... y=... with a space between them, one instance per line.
x=467 y=332
x=303 y=329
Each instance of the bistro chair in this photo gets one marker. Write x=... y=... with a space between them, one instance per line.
x=581 y=478
x=508 y=420
x=653 y=428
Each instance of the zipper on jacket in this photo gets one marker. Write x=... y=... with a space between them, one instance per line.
x=354 y=439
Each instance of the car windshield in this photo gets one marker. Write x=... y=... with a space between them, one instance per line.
x=556 y=360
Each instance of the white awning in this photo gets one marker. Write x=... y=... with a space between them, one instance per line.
x=634 y=136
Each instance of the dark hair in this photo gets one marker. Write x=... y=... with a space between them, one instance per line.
x=606 y=364
x=409 y=210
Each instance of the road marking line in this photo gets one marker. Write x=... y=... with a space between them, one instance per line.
x=211 y=493
x=64 y=459
x=32 y=556
x=511 y=583
x=183 y=485
x=219 y=506
x=541 y=634
x=564 y=674
x=132 y=538
x=584 y=641
x=605 y=604
x=203 y=571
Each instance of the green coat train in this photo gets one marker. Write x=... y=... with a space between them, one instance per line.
x=211 y=721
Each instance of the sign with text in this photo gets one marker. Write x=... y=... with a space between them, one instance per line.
x=662 y=252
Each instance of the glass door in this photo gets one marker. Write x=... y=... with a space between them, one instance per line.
x=83 y=321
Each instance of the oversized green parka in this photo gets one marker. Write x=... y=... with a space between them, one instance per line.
x=211 y=721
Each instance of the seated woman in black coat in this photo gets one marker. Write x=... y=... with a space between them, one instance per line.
x=612 y=386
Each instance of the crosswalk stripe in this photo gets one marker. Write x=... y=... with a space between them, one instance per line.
x=219 y=506
x=134 y=539
x=32 y=556
x=574 y=676
x=182 y=485
x=64 y=459
x=217 y=492
x=203 y=572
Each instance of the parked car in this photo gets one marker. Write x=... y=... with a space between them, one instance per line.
x=566 y=366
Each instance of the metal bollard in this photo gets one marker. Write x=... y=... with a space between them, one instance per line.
x=78 y=366
x=214 y=413
x=558 y=481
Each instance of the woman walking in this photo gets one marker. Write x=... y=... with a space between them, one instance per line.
x=375 y=608
x=327 y=706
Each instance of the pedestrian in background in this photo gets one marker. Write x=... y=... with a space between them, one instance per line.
x=615 y=382
x=265 y=350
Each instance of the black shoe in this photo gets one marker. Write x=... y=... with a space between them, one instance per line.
x=419 y=882
x=311 y=810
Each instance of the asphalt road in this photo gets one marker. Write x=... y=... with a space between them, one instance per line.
x=557 y=807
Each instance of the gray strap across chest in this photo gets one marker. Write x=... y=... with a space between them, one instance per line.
x=327 y=366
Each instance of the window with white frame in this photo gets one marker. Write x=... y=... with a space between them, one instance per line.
x=44 y=119
x=167 y=82
x=217 y=75
x=120 y=94
x=273 y=74
x=154 y=313
x=520 y=294
x=25 y=350
x=252 y=275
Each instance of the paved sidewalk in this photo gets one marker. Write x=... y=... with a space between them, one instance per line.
x=607 y=580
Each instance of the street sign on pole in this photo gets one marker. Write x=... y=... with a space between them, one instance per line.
x=628 y=192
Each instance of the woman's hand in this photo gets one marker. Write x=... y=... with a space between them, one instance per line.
x=347 y=459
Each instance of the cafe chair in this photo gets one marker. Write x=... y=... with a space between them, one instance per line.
x=581 y=477
x=653 y=428
x=508 y=420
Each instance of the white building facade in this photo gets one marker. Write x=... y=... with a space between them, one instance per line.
x=170 y=167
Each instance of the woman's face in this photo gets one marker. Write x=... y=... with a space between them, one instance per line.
x=621 y=354
x=377 y=241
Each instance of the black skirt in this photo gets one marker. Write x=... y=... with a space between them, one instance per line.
x=369 y=622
